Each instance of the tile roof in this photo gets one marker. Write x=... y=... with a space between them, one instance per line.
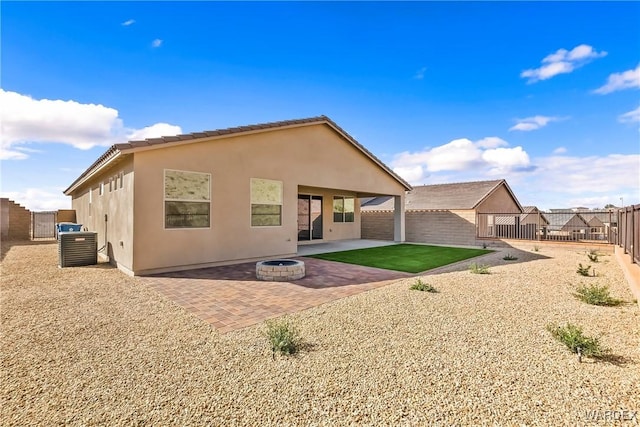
x=461 y=195
x=558 y=220
x=132 y=146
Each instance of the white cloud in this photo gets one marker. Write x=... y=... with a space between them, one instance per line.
x=488 y=155
x=560 y=150
x=632 y=116
x=37 y=199
x=25 y=120
x=413 y=173
x=420 y=73
x=562 y=61
x=505 y=160
x=619 y=81
x=9 y=154
x=532 y=123
x=154 y=131
x=492 y=142
x=547 y=182
x=128 y=22
x=576 y=175
x=156 y=43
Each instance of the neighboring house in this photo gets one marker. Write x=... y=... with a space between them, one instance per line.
x=567 y=224
x=530 y=224
x=453 y=214
x=231 y=195
x=601 y=223
x=532 y=215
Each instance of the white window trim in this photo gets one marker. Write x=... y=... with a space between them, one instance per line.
x=165 y=199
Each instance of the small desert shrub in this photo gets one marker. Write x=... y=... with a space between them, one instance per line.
x=419 y=285
x=536 y=249
x=283 y=336
x=596 y=295
x=510 y=257
x=479 y=268
x=593 y=255
x=583 y=271
x=572 y=336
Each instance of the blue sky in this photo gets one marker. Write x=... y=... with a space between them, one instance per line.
x=544 y=94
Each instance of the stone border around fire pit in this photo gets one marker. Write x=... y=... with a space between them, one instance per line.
x=280 y=270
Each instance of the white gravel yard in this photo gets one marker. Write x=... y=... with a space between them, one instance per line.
x=89 y=345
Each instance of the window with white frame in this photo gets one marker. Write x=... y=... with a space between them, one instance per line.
x=344 y=209
x=266 y=203
x=187 y=199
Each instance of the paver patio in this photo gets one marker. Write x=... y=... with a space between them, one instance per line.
x=230 y=297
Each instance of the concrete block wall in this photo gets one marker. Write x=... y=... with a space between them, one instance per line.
x=442 y=227
x=437 y=227
x=377 y=225
x=15 y=221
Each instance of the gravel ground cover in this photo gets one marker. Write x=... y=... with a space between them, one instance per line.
x=89 y=345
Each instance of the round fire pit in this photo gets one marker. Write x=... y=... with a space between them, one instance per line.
x=280 y=270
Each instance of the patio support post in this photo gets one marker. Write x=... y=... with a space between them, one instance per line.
x=398 y=219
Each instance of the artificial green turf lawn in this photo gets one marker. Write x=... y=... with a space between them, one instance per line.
x=403 y=257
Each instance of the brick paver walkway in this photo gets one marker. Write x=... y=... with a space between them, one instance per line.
x=230 y=297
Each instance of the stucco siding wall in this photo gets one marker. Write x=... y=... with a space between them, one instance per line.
x=116 y=233
x=311 y=156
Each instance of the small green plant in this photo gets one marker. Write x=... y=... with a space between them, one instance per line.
x=510 y=257
x=419 y=285
x=283 y=336
x=583 y=270
x=479 y=268
x=536 y=249
x=596 y=295
x=572 y=336
x=593 y=255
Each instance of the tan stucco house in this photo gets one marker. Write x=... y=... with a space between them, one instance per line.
x=448 y=214
x=231 y=195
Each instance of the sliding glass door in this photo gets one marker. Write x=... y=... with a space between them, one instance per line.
x=309 y=217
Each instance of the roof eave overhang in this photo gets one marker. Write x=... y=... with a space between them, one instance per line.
x=494 y=189
x=103 y=163
x=127 y=148
x=155 y=143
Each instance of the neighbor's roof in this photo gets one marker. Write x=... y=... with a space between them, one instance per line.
x=456 y=196
x=533 y=210
x=151 y=143
x=557 y=220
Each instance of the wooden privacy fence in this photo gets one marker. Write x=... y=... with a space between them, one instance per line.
x=629 y=235
x=574 y=226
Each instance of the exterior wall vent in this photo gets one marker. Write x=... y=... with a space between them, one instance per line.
x=77 y=248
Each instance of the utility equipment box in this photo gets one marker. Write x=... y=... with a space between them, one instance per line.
x=77 y=248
